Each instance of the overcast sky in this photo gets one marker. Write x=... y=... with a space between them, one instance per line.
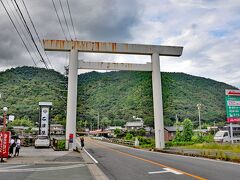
x=209 y=30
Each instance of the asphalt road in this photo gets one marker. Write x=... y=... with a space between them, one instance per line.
x=120 y=162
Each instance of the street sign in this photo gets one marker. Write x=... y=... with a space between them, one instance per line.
x=4 y=143
x=233 y=105
x=44 y=118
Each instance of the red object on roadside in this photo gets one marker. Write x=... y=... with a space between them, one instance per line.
x=70 y=138
x=4 y=148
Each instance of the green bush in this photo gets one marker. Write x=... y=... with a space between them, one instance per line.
x=198 y=138
x=146 y=142
x=141 y=132
x=128 y=136
x=61 y=145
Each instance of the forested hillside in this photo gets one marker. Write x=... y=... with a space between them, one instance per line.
x=117 y=96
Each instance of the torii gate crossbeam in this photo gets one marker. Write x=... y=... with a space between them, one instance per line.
x=118 y=48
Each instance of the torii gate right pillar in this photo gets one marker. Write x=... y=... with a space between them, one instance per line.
x=157 y=102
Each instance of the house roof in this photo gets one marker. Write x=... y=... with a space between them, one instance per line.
x=114 y=127
x=134 y=124
x=173 y=128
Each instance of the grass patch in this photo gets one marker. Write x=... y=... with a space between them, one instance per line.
x=215 y=146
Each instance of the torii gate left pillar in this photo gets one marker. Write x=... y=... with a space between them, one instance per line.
x=118 y=48
x=72 y=100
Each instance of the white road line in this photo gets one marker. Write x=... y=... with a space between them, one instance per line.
x=42 y=169
x=167 y=170
x=9 y=167
x=90 y=156
x=172 y=171
x=158 y=172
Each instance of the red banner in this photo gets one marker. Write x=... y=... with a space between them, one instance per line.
x=233 y=119
x=4 y=143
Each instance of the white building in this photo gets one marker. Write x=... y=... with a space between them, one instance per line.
x=134 y=125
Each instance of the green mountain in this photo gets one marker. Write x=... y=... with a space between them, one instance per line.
x=116 y=96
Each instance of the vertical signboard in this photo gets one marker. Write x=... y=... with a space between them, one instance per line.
x=4 y=143
x=233 y=105
x=44 y=121
x=44 y=124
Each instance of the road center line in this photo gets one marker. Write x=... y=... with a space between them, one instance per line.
x=90 y=156
x=149 y=161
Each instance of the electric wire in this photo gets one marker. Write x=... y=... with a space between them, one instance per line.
x=54 y=5
x=18 y=32
x=24 y=25
x=60 y=2
x=42 y=59
x=22 y=30
x=69 y=10
x=36 y=32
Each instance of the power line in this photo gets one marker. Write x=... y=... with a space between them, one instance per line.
x=42 y=59
x=35 y=31
x=71 y=19
x=26 y=28
x=59 y=19
x=22 y=30
x=65 y=18
x=17 y=31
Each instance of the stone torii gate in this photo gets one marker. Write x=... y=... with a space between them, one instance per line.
x=117 y=48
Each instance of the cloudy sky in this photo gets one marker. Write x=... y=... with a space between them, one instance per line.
x=209 y=30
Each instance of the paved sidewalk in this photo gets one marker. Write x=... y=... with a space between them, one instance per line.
x=45 y=164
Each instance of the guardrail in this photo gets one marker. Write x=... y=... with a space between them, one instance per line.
x=116 y=141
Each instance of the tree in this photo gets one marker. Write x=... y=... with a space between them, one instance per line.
x=187 y=132
x=141 y=132
x=117 y=132
x=105 y=122
x=22 y=122
x=178 y=136
x=128 y=136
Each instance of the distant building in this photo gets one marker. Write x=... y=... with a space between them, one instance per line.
x=170 y=132
x=112 y=128
x=57 y=129
x=134 y=125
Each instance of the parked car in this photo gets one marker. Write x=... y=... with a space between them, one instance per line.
x=42 y=141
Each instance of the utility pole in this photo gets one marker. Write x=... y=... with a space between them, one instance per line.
x=98 y=121
x=199 y=115
x=176 y=117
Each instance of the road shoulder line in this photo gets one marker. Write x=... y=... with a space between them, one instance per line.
x=93 y=168
x=90 y=156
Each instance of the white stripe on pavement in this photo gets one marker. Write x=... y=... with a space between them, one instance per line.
x=167 y=170
x=9 y=167
x=90 y=156
x=42 y=169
